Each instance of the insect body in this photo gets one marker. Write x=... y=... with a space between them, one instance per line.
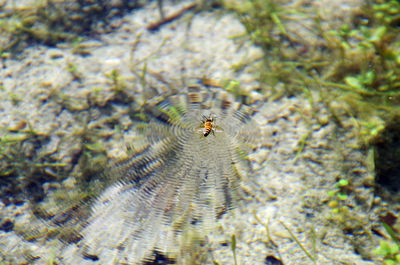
x=208 y=126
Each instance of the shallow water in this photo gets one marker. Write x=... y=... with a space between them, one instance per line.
x=269 y=175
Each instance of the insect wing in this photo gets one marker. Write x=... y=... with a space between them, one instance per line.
x=217 y=129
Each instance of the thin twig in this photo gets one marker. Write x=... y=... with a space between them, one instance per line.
x=166 y=19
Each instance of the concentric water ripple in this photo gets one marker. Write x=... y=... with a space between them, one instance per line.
x=180 y=180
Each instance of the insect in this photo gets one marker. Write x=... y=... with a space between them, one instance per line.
x=208 y=126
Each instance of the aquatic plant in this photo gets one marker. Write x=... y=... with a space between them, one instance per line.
x=338 y=194
x=352 y=68
x=356 y=63
x=389 y=251
x=233 y=247
x=23 y=164
x=54 y=21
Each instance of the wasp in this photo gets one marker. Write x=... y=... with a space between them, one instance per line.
x=208 y=126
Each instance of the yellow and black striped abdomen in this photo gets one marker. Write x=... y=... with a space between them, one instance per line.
x=207 y=127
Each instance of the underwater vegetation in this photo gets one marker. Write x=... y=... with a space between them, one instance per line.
x=21 y=155
x=53 y=21
x=175 y=180
x=355 y=62
x=351 y=61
